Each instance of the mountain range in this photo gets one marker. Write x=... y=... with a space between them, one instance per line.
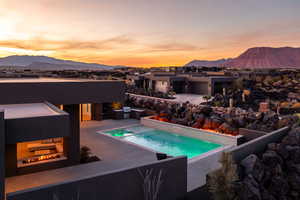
x=207 y=63
x=49 y=63
x=258 y=57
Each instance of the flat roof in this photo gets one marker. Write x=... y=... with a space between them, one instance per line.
x=60 y=90
x=14 y=111
x=46 y=80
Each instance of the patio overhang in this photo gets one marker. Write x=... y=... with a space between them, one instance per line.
x=36 y=121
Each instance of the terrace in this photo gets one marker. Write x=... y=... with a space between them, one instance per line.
x=114 y=155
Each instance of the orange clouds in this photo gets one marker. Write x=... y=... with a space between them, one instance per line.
x=44 y=44
x=119 y=50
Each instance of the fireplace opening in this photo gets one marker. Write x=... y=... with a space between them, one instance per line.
x=40 y=151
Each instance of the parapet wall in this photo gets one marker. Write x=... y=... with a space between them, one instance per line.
x=125 y=184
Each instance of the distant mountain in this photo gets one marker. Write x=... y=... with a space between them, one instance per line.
x=49 y=63
x=207 y=63
x=267 y=57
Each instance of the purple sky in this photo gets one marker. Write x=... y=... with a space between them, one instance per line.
x=146 y=32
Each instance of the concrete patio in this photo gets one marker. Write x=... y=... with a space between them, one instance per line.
x=114 y=155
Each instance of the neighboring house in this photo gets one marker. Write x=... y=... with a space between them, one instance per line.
x=183 y=83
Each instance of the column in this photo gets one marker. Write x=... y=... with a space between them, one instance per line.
x=2 y=156
x=97 y=110
x=72 y=143
x=11 y=160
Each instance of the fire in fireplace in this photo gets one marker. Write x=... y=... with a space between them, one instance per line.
x=40 y=151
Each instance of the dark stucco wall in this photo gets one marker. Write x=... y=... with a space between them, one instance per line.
x=126 y=184
x=76 y=92
x=36 y=128
x=2 y=155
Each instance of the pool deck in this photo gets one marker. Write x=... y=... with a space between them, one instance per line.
x=114 y=155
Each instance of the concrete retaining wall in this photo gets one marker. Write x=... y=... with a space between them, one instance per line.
x=125 y=184
x=200 y=166
x=257 y=145
x=192 y=132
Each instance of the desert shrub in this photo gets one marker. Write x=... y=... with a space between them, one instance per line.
x=86 y=155
x=221 y=182
x=238 y=84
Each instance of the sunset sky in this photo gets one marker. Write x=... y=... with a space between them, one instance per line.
x=145 y=32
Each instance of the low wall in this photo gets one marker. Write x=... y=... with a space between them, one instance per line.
x=125 y=184
x=257 y=145
x=200 y=166
x=153 y=98
x=250 y=134
x=192 y=132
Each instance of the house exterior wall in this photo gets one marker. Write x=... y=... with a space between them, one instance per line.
x=162 y=86
x=36 y=128
x=2 y=156
x=197 y=87
x=62 y=92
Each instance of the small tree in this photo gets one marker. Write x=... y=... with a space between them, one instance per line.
x=220 y=182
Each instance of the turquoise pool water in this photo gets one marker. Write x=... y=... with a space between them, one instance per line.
x=162 y=141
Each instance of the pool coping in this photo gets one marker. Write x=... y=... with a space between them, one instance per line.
x=207 y=135
x=223 y=147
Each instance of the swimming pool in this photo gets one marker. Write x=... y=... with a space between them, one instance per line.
x=163 y=141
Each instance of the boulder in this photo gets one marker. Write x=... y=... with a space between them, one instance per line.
x=294 y=181
x=207 y=123
x=206 y=110
x=271 y=159
x=279 y=187
x=251 y=189
x=252 y=165
x=282 y=151
x=215 y=123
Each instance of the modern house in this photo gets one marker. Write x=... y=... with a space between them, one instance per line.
x=40 y=121
x=201 y=84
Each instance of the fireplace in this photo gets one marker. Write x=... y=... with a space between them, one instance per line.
x=40 y=151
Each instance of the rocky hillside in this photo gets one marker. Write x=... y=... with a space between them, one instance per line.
x=267 y=57
x=257 y=57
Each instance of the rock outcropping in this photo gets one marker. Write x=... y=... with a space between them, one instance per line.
x=267 y=57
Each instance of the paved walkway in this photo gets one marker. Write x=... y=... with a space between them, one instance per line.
x=115 y=155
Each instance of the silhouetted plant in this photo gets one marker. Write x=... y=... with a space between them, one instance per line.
x=55 y=195
x=85 y=155
x=151 y=184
